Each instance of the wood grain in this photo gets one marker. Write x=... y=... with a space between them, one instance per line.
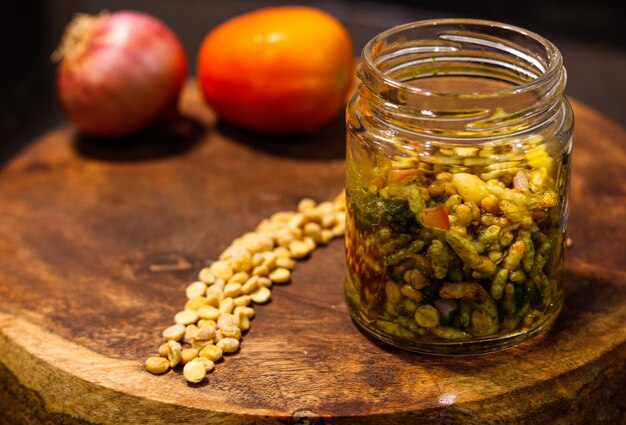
x=98 y=242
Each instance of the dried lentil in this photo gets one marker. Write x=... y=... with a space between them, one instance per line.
x=174 y=332
x=196 y=289
x=232 y=290
x=190 y=333
x=157 y=365
x=244 y=274
x=188 y=355
x=280 y=275
x=211 y=352
x=261 y=295
x=207 y=276
x=173 y=352
x=226 y=305
x=228 y=345
x=222 y=270
x=208 y=312
x=194 y=371
x=242 y=300
x=186 y=317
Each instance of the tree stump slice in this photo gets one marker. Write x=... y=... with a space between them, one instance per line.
x=98 y=243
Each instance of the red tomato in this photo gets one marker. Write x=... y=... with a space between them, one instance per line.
x=277 y=70
x=436 y=217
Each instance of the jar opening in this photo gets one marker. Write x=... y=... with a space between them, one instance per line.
x=461 y=78
x=461 y=58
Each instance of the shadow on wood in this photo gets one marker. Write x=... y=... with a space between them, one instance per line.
x=327 y=143
x=158 y=141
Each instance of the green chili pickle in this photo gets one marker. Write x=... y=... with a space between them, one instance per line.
x=458 y=162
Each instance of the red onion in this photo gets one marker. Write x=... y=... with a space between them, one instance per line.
x=445 y=306
x=118 y=72
x=520 y=181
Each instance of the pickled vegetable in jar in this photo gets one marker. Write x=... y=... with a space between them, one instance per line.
x=457 y=172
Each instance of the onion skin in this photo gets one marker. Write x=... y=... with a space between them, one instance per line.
x=520 y=181
x=120 y=72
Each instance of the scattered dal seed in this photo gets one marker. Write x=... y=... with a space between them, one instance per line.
x=241 y=320
x=313 y=230
x=338 y=230
x=261 y=270
x=186 y=317
x=211 y=352
x=204 y=334
x=240 y=277
x=261 y=295
x=196 y=289
x=298 y=249
x=190 y=333
x=173 y=352
x=174 y=332
x=243 y=323
x=306 y=204
x=208 y=312
x=325 y=207
x=214 y=298
x=226 y=320
x=163 y=350
x=247 y=311
x=269 y=259
x=218 y=302
x=157 y=365
x=310 y=243
x=328 y=221
x=326 y=236
x=188 y=355
x=250 y=285
x=242 y=262
x=206 y=322
x=221 y=270
x=228 y=345
x=285 y=263
x=282 y=252
x=313 y=215
x=231 y=332
x=208 y=364
x=280 y=275
x=232 y=290
x=242 y=300
x=207 y=276
x=257 y=259
x=199 y=344
x=196 y=303
x=296 y=221
x=227 y=305
x=194 y=371
x=265 y=282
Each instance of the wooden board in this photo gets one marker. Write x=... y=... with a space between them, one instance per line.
x=98 y=242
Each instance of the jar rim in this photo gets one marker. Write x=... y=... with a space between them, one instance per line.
x=552 y=71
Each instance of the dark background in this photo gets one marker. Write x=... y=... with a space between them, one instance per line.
x=590 y=34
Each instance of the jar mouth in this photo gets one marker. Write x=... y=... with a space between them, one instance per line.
x=460 y=79
x=494 y=44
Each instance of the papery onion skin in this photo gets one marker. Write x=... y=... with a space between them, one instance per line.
x=123 y=71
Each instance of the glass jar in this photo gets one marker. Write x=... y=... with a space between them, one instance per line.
x=457 y=172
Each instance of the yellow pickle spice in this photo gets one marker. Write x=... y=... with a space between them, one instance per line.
x=458 y=153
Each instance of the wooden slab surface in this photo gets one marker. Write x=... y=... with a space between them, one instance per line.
x=98 y=241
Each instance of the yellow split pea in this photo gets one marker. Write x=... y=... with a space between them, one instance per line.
x=217 y=310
